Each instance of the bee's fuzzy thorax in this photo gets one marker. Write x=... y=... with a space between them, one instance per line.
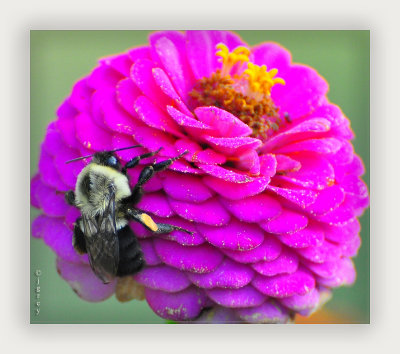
x=93 y=184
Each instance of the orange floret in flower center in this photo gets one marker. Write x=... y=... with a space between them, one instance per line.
x=244 y=92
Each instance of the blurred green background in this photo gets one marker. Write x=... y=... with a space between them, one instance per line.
x=59 y=58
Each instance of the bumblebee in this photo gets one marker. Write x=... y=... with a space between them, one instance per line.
x=106 y=203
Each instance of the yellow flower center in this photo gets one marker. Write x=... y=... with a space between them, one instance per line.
x=243 y=91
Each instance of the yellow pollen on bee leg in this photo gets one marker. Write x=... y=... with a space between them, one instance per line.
x=149 y=222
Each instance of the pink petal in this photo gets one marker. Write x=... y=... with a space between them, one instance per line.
x=268 y=312
x=225 y=174
x=300 y=197
x=197 y=155
x=302 y=302
x=209 y=212
x=150 y=255
x=228 y=274
x=303 y=91
x=38 y=225
x=286 y=222
x=236 y=298
x=197 y=259
x=154 y=117
x=224 y=122
x=272 y=55
x=181 y=306
x=170 y=49
x=269 y=250
x=310 y=236
x=310 y=128
x=156 y=203
x=342 y=234
x=120 y=62
x=233 y=146
x=201 y=49
x=235 y=236
x=326 y=252
x=285 y=164
x=301 y=282
x=320 y=146
x=287 y=262
x=83 y=281
x=127 y=93
x=345 y=275
x=315 y=172
x=103 y=76
x=49 y=173
x=163 y=278
x=90 y=135
x=257 y=208
x=51 y=201
x=35 y=184
x=153 y=139
x=186 y=188
x=327 y=200
x=236 y=191
x=80 y=95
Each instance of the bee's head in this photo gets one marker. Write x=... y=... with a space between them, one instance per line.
x=107 y=158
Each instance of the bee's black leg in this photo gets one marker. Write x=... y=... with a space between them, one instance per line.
x=70 y=197
x=135 y=161
x=78 y=239
x=131 y=259
x=150 y=224
x=145 y=175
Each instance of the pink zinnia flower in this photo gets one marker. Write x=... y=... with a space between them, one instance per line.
x=270 y=187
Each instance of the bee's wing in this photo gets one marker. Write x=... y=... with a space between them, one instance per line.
x=102 y=241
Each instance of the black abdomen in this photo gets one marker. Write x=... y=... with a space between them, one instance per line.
x=131 y=259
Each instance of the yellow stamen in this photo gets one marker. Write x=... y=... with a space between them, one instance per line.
x=229 y=59
x=260 y=80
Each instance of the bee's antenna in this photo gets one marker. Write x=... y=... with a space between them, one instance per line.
x=84 y=157
x=126 y=148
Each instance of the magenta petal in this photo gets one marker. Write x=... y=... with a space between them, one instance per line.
x=80 y=95
x=38 y=225
x=163 y=278
x=286 y=222
x=310 y=128
x=344 y=275
x=90 y=135
x=35 y=184
x=303 y=92
x=103 y=76
x=52 y=202
x=350 y=249
x=225 y=174
x=120 y=62
x=272 y=55
x=228 y=274
x=68 y=172
x=320 y=146
x=310 y=236
x=209 y=212
x=236 y=298
x=191 y=125
x=257 y=208
x=156 y=203
x=153 y=139
x=127 y=93
x=287 y=262
x=344 y=233
x=181 y=306
x=163 y=81
x=53 y=141
x=299 y=283
x=302 y=302
x=301 y=197
x=197 y=259
x=150 y=255
x=315 y=172
x=186 y=188
x=224 y=122
x=340 y=216
x=218 y=314
x=83 y=281
x=324 y=270
x=328 y=199
x=71 y=216
x=49 y=173
x=268 y=312
x=235 y=191
x=170 y=48
x=326 y=252
x=201 y=48
x=233 y=146
x=66 y=126
x=234 y=236
x=269 y=250
x=116 y=118
x=183 y=238
x=58 y=237
x=154 y=117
